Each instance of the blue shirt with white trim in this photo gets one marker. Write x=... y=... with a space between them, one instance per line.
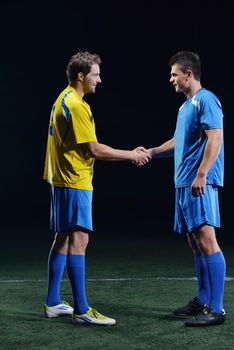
x=201 y=112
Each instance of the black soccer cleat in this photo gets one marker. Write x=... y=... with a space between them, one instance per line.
x=191 y=309
x=207 y=317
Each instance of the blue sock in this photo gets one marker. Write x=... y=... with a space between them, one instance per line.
x=216 y=266
x=56 y=264
x=202 y=279
x=76 y=273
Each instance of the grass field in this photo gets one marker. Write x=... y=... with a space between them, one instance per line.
x=137 y=281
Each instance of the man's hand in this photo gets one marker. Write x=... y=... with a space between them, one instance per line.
x=198 y=186
x=142 y=156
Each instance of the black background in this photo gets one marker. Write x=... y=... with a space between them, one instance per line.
x=135 y=104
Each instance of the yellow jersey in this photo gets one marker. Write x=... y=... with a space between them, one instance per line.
x=71 y=124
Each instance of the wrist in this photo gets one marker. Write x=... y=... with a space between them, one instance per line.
x=150 y=151
x=201 y=174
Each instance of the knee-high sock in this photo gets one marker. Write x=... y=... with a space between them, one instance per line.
x=202 y=279
x=56 y=264
x=76 y=273
x=217 y=270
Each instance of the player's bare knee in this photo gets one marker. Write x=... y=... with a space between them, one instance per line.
x=207 y=245
x=78 y=239
x=203 y=245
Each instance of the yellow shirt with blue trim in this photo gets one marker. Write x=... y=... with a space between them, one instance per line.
x=71 y=124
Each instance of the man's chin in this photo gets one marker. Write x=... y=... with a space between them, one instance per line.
x=90 y=91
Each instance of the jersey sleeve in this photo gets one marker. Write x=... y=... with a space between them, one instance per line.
x=211 y=115
x=81 y=122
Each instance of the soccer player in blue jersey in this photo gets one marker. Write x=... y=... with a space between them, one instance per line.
x=197 y=147
x=71 y=150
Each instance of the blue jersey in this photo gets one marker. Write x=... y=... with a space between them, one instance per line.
x=201 y=112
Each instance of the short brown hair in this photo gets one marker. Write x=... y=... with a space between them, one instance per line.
x=187 y=60
x=81 y=62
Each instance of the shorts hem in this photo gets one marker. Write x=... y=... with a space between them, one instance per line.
x=74 y=228
x=206 y=222
x=195 y=227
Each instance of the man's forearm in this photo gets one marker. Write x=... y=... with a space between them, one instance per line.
x=105 y=152
x=164 y=150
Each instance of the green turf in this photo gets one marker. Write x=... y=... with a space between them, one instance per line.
x=142 y=307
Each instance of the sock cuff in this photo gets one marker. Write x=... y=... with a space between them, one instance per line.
x=75 y=259
x=214 y=256
x=57 y=256
x=57 y=253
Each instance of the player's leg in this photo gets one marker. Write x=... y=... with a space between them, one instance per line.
x=216 y=265
x=54 y=306
x=195 y=305
x=203 y=295
x=83 y=313
x=206 y=211
x=58 y=254
x=77 y=244
x=56 y=263
x=213 y=314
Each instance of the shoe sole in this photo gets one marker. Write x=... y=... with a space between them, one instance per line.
x=52 y=315
x=215 y=323
x=184 y=315
x=187 y=314
x=93 y=323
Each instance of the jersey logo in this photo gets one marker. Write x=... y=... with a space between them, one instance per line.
x=51 y=129
x=196 y=103
x=66 y=111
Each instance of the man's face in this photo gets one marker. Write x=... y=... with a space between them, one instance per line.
x=179 y=79
x=92 y=79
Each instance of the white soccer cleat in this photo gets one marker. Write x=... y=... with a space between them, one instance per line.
x=92 y=316
x=63 y=309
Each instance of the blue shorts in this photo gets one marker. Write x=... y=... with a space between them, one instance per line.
x=192 y=212
x=70 y=209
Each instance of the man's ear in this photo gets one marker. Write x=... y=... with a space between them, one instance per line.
x=189 y=73
x=80 y=76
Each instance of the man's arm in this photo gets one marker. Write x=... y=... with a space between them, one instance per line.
x=103 y=152
x=211 y=152
x=164 y=150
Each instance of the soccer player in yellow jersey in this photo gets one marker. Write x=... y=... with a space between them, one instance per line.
x=72 y=147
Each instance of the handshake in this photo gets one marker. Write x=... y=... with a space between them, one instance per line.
x=141 y=156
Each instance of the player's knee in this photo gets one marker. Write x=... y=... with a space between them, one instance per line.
x=206 y=239
x=84 y=243
x=207 y=244
x=79 y=240
x=202 y=244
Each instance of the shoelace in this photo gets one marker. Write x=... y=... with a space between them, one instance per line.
x=204 y=312
x=96 y=314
